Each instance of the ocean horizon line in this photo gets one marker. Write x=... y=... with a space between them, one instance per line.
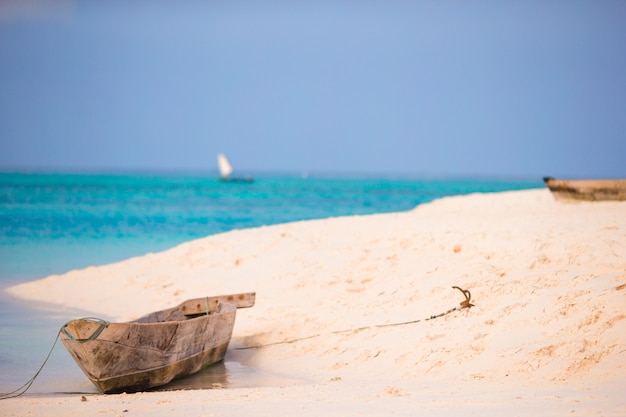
x=271 y=174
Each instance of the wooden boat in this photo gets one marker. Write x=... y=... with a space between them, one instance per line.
x=156 y=348
x=587 y=190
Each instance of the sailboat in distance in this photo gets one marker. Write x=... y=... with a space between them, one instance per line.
x=226 y=169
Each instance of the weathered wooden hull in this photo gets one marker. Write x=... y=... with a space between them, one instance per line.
x=587 y=190
x=139 y=355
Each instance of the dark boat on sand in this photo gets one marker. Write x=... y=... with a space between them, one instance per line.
x=587 y=190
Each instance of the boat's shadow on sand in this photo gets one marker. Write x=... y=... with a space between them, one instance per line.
x=233 y=372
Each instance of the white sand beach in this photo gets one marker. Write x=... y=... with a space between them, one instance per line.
x=547 y=334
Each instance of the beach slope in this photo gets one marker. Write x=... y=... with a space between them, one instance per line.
x=344 y=306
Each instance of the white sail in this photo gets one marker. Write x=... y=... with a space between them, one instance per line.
x=225 y=168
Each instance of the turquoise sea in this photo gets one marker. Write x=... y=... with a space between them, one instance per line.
x=54 y=223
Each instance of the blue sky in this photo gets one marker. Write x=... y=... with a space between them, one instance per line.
x=506 y=88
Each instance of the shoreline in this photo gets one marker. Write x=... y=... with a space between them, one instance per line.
x=547 y=331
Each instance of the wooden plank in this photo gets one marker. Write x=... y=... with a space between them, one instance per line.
x=197 y=306
x=209 y=304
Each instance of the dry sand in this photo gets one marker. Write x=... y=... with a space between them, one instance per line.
x=547 y=335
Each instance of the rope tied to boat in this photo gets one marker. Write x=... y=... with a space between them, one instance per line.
x=103 y=324
x=467 y=303
x=22 y=390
